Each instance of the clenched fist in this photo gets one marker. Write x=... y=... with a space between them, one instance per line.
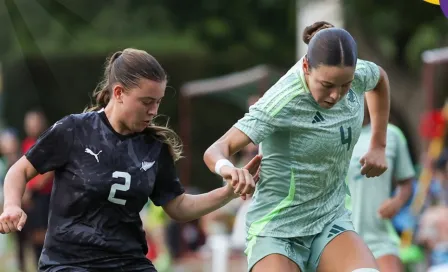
x=12 y=219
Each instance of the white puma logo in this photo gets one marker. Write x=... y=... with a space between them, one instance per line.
x=88 y=151
x=146 y=165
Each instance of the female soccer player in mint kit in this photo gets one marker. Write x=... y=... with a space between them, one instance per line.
x=308 y=123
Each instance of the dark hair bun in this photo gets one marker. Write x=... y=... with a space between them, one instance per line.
x=311 y=30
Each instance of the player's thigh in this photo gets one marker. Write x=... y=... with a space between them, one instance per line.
x=339 y=248
x=275 y=254
x=390 y=263
x=275 y=262
x=346 y=252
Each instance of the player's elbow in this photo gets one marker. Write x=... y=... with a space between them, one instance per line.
x=182 y=219
x=207 y=156
x=210 y=154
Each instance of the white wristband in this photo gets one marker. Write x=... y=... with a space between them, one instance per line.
x=220 y=163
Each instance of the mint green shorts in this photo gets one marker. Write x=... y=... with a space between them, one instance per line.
x=382 y=242
x=304 y=251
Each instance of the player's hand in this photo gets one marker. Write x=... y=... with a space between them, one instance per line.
x=374 y=163
x=12 y=219
x=389 y=208
x=242 y=181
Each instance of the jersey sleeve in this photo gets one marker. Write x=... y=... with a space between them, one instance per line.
x=367 y=75
x=273 y=112
x=52 y=149
x=167 y=185
x=403 y=168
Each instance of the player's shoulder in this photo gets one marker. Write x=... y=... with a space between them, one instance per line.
x=84 y=116
x=365 y=68
x=362 y=65
x=72 y=121
x=283 y=94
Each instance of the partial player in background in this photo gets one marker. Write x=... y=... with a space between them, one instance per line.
x=108 y=161
x=36 y=201
x=371 y=200
x=307 y=124
x=9 y=154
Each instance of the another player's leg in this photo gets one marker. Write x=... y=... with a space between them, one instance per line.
x=390 y=263
x=267 y=254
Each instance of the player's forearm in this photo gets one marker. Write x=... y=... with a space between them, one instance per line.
x=14 y=187
x=378 y=101
x=230 y=143
x=191 y=207
x=214 y=153
x=404 y=192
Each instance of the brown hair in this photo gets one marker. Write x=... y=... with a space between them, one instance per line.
x=310 y=31
x=329 y=45
x=127 y=67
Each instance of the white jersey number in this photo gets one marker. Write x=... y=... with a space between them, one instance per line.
x=119 y=187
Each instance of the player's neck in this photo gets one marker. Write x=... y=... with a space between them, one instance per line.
x=112 y=117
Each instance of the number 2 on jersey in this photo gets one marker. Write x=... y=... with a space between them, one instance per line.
x=119 y=187
x=347 y=140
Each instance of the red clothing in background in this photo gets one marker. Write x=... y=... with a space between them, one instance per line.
x=46 y=189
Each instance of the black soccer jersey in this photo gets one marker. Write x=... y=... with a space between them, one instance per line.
x=102 y=181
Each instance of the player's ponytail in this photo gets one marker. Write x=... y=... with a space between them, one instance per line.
x=170 y=138
x=101 y=94
x=127 y=67
x=310 y=31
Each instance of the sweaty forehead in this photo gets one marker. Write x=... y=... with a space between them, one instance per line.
x=335 y=74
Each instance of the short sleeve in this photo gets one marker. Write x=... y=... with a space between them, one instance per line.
x=403 y=168
x=167 y=185
x=52 y=150
x=273 y=111
x=367 y=75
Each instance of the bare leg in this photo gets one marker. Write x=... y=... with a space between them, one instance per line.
x=390 y=263
x=346 y=252
x=275 y=262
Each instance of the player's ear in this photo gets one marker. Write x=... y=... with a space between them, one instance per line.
x=117 y=92
x=306 y=66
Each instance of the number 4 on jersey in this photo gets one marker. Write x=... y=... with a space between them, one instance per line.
x=347 y=140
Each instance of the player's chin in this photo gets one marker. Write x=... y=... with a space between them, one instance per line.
x=141 y=126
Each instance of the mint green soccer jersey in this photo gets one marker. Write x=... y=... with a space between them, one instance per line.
x=367 y=194
x=306 y=152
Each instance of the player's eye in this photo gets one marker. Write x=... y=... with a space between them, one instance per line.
x=328 y=86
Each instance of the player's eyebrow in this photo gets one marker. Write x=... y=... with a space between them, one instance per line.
x=331 y=83
x=150 y=98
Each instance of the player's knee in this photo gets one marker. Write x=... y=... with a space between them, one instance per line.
x=366 y=270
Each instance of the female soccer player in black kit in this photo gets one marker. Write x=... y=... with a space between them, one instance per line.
x=108 y=161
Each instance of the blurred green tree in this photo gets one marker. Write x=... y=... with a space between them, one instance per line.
x=398 y=30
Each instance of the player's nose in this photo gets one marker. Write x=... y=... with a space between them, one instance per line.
x=152 y=111
x=334 y=95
